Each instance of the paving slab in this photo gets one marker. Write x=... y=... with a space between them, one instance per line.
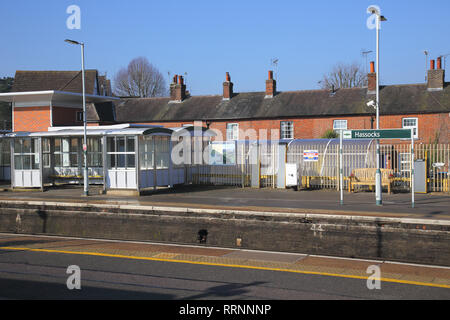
x=427 y=206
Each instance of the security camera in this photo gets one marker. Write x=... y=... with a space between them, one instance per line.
x=372 y=104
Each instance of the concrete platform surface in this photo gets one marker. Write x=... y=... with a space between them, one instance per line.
x=427 y=206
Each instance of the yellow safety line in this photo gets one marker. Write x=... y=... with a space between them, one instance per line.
x=227 y=265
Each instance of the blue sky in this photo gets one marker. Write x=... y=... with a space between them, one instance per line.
x=208 y=38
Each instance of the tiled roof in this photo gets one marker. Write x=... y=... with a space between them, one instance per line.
x=396 y=99
x=69 y=81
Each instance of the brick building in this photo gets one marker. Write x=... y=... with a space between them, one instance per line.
x=44 y=99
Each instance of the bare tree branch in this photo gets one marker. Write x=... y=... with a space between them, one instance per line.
x=344 y=76
x=140 y=79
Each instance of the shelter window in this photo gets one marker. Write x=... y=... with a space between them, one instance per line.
x=26 y=154
x=121 y=152
x=94 y=154
x=5 y=153
x=162 y=152
x=46 y=152
x=66 y=152
x=154 y=150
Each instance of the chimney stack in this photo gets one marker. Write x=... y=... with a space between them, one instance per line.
x=372 y=79
x=227 y=87
x=177 y=89
x=271 y=86
x=436 y=77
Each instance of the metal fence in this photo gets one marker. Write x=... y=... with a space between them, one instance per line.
x=256 y=164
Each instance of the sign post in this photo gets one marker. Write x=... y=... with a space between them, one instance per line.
x=385 y=134
x=341 y=170
x=412 y=168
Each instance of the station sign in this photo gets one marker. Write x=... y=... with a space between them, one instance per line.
x=377 y=134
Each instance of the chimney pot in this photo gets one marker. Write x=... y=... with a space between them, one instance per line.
x=271 y=86
x=436 y=77
x=227 y=87
x=177 y=89
x=439 y=63
x=372 y=79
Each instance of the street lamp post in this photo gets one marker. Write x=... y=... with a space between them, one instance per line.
x=86 y=172
x=378 y=192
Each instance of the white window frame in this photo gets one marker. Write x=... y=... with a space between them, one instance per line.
x=415 y=127
x=335 y=127
x=232 y=131
x=283 y=130
x=405 y=162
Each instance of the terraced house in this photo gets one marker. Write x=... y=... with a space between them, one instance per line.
x=43 y=99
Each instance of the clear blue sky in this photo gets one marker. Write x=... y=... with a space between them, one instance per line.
x=208 y=38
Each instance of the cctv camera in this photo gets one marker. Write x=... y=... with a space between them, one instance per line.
x=372 y=104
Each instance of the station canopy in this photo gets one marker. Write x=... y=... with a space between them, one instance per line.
x=114 y=130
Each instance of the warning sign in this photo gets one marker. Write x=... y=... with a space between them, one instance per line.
x=310 y=155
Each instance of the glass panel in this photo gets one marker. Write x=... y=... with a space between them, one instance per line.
x=46 y=145
x=74 y=145
x=6 y=158
x=111 y=161
x=46 y=160
x=26 y=146
x=65 y=159
x=111 y=147
x=57 y=145
x=18 y=146
x=65 y=145
x=57 y=160
x=131 y=161
x=94 y=145
x=120 y=144
x=162 y=160
x=120 y=161
x=18 y=162
x=35 y=145
x=98 y=160
x=35 y=161
x=73 y=160
x=26 y=162
x=130 y=144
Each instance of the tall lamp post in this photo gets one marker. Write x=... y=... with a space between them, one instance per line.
x=378 y=192
x=86 y=176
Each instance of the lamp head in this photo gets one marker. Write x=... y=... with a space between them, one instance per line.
x=72 y=41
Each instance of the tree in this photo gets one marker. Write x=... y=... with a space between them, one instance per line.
x=330 y=134
x=140 y=79
x=344 y=76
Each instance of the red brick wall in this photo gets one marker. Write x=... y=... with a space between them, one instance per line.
x=31 y=119
x=312 y=128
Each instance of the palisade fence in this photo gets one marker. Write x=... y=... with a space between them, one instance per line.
x=256 y=163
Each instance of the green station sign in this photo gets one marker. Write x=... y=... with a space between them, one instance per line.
x=377 y=134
